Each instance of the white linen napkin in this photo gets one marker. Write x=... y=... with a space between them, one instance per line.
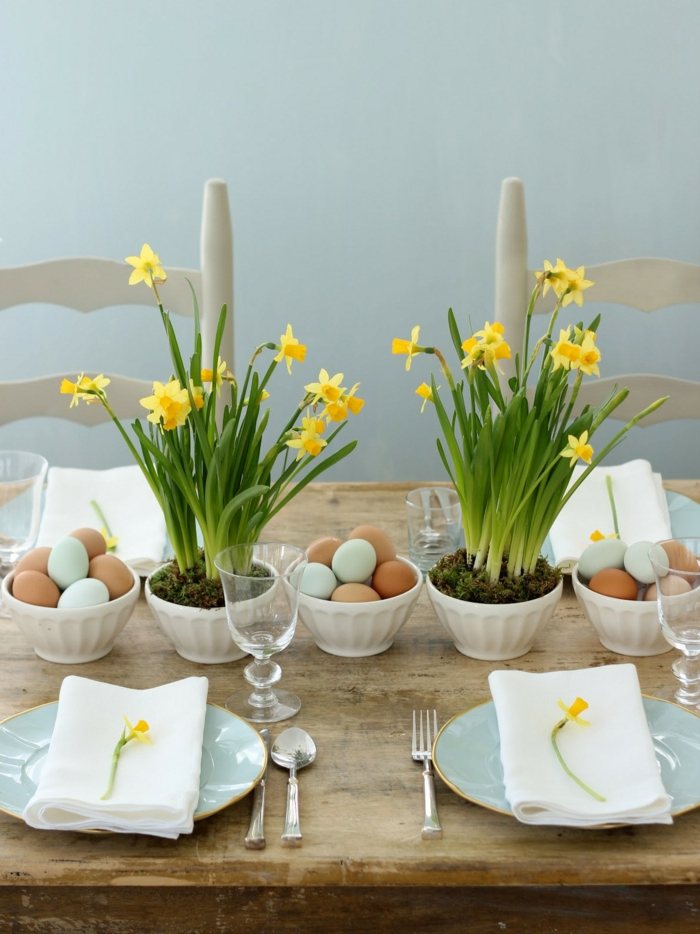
x=614 y=755
x=640 y=501
x=127 y=502
x=156 y=788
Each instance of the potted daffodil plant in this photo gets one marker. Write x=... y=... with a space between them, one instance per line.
x=216 y=475
x=509 y=447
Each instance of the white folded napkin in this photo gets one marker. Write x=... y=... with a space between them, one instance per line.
x=127 y=501
x=640 y=501
x=156 y=788
x=614 y=755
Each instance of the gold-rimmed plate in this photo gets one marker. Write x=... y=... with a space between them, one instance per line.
x=233 y=758
x=467 y=755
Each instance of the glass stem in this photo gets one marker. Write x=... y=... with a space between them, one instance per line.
x=262 y=673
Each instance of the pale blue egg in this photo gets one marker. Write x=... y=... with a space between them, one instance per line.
x=86 y=592
x=607 y=553
x=354 y=561
x=638 y=561
x=318 y=581
x=68 y=562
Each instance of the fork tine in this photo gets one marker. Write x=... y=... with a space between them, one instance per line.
x=428 y=745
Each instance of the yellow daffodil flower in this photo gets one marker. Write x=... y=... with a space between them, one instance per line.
x=222 y=373
x=308 y=440
x=598 y=536
x=139 y=732
x=426 y=394
x=589 y=355
x=85 y=388
x=338 y=411
x=169 y=404
x=147 y=267
x=565 y=352
x=411 y=347
x=578 y=448
x=197 y=393
x=555 y=277
x=290 y=349
x=571 y=715
x=491 y=333
x=327 y=388
x=485 y=347
x=576 y=286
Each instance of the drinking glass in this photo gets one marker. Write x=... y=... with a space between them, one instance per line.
x=261 y=588
x=22 y=476
x=678 y=603
x=434 y=520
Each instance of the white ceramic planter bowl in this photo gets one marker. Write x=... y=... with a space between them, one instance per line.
x=493 y=632
x=198 y=635
x=356 y=630
x=628 y=627
x=73 y=636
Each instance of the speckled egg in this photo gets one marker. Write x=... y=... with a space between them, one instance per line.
x=85 y=592
x=321 y=550
x=93 y=540
x=637 y=560
x=354 y=593
x=607 y=553
x=318 y=581
x=354 y=561
x=36 y=588
x=113 y=573
x=68 y=562
x=613 y=582
x=378 y=539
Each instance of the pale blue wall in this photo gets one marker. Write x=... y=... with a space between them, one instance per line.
x=364 y=143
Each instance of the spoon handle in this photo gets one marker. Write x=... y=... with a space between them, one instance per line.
x=255 y=838
x=292 y=829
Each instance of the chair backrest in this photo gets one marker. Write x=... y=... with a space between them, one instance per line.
x=87 y=284
x=646 y=284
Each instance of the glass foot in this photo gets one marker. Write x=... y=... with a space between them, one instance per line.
x=286 y=705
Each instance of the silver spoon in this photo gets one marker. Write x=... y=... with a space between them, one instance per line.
x=293 y=749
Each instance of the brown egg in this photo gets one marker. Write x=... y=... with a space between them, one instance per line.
x=321 y=550
x=35 y=560
x=35 y=588
x=354 y=593
x=113 y=573
x=680 y=558
x=391 y=578
x=612 y=582
x=92 y=539
x=378 y=539
x=673 y=584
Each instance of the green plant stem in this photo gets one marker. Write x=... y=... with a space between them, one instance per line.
x=121 y=742
x=609 y=487
x=555 y=729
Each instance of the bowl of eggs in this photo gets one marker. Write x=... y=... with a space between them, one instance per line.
x=357 y=593
x=614 y=584
x=71 y=601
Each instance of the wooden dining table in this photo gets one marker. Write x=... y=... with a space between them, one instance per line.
x=362 y=865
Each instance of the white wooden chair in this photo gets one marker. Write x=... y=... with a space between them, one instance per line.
x=87 y=284
x=646 y=284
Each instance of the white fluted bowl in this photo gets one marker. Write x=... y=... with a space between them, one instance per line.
x=493 y=632
x=628 y=627
x=71 y=636
x=198 y=635
x=356 y=630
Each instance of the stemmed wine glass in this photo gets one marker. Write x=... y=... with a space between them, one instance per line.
x=678 y=603
x=22 y=476
x=261 y=588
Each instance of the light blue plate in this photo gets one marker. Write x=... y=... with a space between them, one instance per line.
x=685 y=523
x=467 y=755
x=233 y=758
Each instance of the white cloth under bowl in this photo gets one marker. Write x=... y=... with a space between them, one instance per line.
x=125 y=498
x=156 y=788
x=640 y=502
x=614 y=755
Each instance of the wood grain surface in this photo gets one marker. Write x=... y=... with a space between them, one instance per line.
x=363 y=864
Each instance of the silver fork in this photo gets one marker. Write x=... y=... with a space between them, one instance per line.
x=422 y=751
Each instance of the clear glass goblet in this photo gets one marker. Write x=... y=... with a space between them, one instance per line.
x=22 y=476
x=261 y=589
x=677 y=574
